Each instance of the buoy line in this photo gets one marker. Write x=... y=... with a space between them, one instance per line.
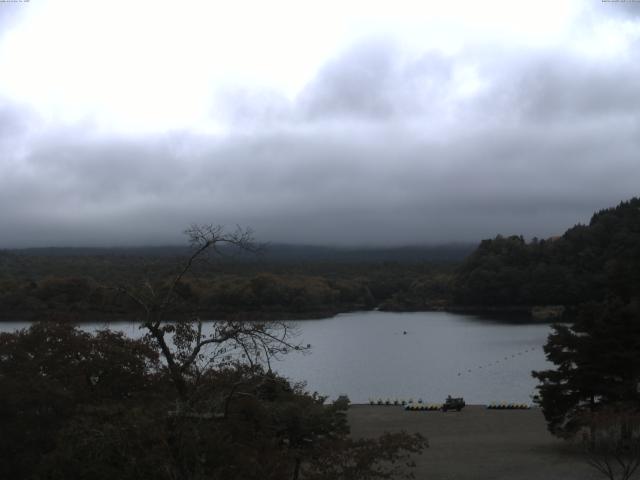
x=496 y=362
x=421 y=406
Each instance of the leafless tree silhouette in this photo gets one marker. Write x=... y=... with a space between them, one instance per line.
x=189 y=346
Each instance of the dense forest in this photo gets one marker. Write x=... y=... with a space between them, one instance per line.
x=594 y=388
x=282 y=281
x=587 y=263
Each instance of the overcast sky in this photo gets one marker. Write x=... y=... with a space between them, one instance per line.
x=333 y=122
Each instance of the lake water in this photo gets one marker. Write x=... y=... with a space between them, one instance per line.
x=367 y=355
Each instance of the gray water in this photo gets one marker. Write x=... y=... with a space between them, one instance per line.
x=367 y=355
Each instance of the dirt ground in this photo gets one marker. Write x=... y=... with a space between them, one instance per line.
x=477 y=443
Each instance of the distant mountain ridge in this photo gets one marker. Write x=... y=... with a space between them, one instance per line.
x=444 y=253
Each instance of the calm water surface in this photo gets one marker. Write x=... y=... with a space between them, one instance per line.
x=367 y=355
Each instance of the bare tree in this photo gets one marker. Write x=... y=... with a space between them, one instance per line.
x=612 y=442
x=186 y=345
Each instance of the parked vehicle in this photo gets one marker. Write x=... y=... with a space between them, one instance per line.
x=451 y=403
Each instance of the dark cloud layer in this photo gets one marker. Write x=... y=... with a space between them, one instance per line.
x=379 y=148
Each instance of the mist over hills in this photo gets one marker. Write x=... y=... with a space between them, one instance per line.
x=277 y=252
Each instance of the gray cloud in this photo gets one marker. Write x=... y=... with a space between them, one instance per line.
x=372 y=81
x=558 y=87
x=618 y=8
x=369 y=82
x=380 y=148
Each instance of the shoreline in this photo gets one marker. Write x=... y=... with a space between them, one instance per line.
x=548 y=315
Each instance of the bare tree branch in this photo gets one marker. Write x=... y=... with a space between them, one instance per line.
x=184 y=349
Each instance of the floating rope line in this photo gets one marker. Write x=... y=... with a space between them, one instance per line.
x=496 y=362
x=419 y=405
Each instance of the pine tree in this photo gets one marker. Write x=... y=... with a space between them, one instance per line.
x=597 y=364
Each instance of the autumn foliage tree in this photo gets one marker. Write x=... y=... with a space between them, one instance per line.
x=53 y=374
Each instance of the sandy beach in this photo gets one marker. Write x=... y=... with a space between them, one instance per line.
x=478 y=443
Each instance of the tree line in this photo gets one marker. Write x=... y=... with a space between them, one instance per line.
x=587 y=263
x=81 y=287
x=593 y=391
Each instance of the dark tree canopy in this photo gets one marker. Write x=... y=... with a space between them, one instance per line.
x=585 y=264
x=597 y=364
x=102 y=406
x=52 y=372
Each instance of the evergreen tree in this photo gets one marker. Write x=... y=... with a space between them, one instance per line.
x=587 y=263
x=597 y=364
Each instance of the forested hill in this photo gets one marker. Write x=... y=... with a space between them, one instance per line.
x=587 y=263
x=274 y=253
x=284 y=281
